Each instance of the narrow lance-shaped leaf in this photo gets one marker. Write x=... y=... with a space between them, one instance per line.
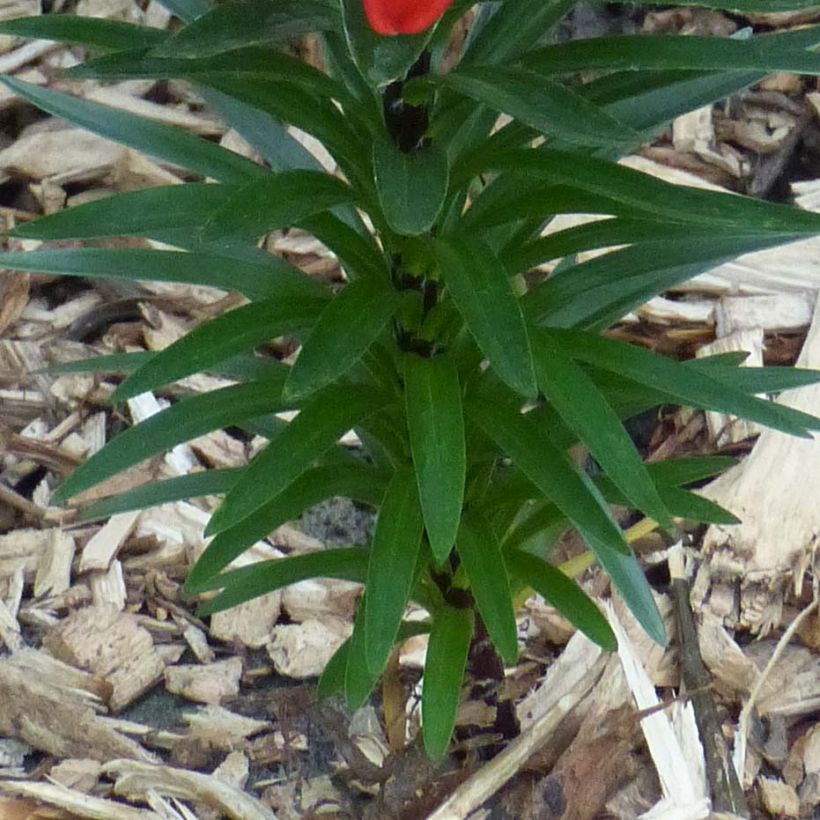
x=254 y=279
x=250 y=582
x=94 y=32
x=483 y=561
x=564 y=594
x=359 y=677
x=481 y=289
x=153 y=493
x=161 y=141
x=542 y=104
x=322 y=421
x=249 y=22
x=765 y=53
x=358 y=482
x=180 y=422
x=215 y=341
x=581 y=405
x=677 y=381
x=346 y=328
x=443 y=676
x=575 y=495
x=391 y=572
x=435 y=420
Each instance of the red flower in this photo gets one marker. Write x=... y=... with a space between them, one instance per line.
x=404 y=16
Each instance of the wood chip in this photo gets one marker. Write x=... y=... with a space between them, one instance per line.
x=113 y=646
x=53 y=575
x=50 y=705
x=778 y=798
x=134 y=780
x=220 y=728
x=782 y=473
x=79 y=804
x=303 y=650
x=101 y=550
x=209 y=683
x=81 y=774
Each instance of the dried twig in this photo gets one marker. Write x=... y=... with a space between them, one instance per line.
x=726 y=792
x=739 y=755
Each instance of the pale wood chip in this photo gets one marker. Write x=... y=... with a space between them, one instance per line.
x=134 y=779
x=778 y=798
x=209 y=683
x=53 y=575
x=113 y=646
x=303 y=650
x=318 y=598
x=70 y=155
x=81 y=805
x=108 y=587
x=220 y=728
x=50 y=705
x=198 y=641
x=101 y=550
x=81 y=774
x=23 y=550
x=10 y=635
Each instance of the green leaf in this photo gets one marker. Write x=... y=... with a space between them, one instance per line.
x=482 y=292
x=256 y=279
x=332 y=679
x=111 y=363
x=393 y=567
x=247 y=583
x=315 y=114
x=495 y=37
x=547 y=467
x=411 y=185
x=537 y=101
x=219 y=339
x=136 y=213
x=161 y=141
x=345 y=329
x=94 y=32
x=180 y=422
x=355 y=481
x=482 y=559
x=679 y=382
x=320 y=423
x=443 y=677
x=766 y=53
x=550 y=470
x=252 y=60
x=154 y=493
x=359 y=678
x=584 y=409
x=744 y=6
x=278 y=201
x=435 y=420
x=564 y=594
x=755 y=379
x=381 y=60
x=645 y=193
x=599 y=292
x=249 y=22
x=275 y=201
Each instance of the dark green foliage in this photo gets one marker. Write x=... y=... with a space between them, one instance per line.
x=466 y=387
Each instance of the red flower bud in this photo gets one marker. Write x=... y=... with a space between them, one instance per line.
x=404 y=16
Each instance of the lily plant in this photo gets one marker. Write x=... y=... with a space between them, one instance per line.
x=466 y=373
